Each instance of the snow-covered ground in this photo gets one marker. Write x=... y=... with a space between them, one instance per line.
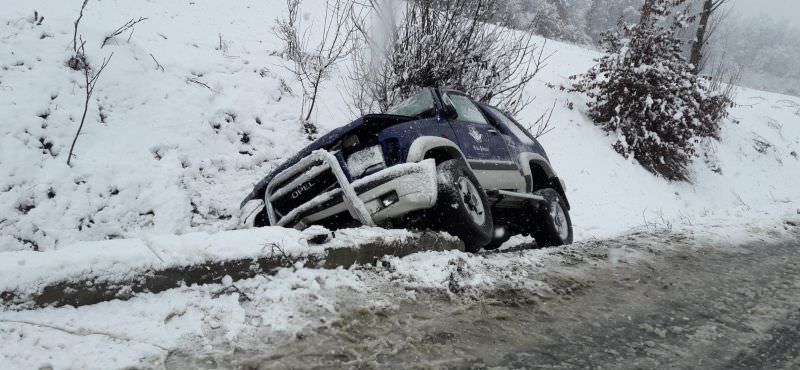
x=196 y=106
x=268 y=314
x=172 y=151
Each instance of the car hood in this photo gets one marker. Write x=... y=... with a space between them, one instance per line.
x=371 y=123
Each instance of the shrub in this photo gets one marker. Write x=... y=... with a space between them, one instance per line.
x=445 y=43
x=644 y=92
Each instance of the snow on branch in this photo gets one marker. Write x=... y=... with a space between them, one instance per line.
x=121 y=29
x=311 y=61
x=446 y=43
x=643 y=91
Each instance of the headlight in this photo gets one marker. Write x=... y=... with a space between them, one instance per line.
x=364 y=160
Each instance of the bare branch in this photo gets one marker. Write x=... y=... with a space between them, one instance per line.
x=121 y=29
x=542 y=125
x=90 y=81
x=201 y=83
x=158 y=65
x=37 y=20
x=311 y=64
x=444 y=43
x=75 y=30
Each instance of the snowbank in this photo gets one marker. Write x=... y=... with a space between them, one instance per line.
x=119 y=268
x=163 y=151
x=92 y=272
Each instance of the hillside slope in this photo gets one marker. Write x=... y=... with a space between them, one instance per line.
x=193 y=110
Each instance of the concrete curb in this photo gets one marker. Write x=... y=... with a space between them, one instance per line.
x=94 y=289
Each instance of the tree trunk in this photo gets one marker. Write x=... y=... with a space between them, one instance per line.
x=698 y=47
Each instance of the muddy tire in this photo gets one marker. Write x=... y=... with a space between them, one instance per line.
x=551 y=224
x=462 y=208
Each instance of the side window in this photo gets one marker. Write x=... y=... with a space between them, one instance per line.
x=515 y=129
x=467 y=111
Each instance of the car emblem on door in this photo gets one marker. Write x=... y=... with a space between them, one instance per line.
x=475 y=134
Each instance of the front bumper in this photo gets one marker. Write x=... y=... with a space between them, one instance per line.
x=389 y=193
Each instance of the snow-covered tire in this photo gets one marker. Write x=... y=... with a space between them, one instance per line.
x=462 y=208
x=551 y=224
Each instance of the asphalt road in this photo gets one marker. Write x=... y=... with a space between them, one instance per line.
x=682 y=308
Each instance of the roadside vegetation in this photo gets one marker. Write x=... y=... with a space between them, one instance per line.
x=645 y=92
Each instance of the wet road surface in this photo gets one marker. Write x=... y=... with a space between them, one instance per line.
x=681 y=308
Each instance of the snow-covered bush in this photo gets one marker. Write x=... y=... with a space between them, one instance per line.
x=643 y=90
x=443 y=43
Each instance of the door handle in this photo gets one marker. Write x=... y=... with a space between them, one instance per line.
x=492 y=131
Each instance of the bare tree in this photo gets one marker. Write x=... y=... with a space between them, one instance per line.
x=710 y=17
x=311 y=61
x=80 y=62
x=443 y=43
x=90 y=80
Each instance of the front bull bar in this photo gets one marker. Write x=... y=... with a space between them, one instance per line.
x=317 y=162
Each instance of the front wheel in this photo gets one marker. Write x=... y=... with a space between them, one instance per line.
x=551 y=224
x=462 y=208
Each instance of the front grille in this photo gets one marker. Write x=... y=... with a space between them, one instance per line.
x=304 y=192
x=289 y=194
x=289 y=179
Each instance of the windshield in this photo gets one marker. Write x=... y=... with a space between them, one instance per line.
x=418 y=105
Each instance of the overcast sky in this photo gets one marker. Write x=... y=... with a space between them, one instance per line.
x=786 y=9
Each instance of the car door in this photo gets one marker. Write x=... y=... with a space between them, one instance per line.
x=482 y=144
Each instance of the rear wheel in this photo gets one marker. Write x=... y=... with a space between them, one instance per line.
x=551 y=224
x=462 y=208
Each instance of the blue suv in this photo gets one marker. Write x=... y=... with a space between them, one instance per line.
x=437 y=160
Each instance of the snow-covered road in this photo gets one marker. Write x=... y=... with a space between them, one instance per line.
x=615 y=304
x=706 y=295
